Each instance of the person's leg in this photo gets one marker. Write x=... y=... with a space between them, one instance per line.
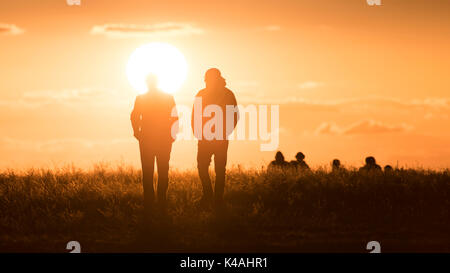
x=148 y=163
x=203 y=160
x=220 y=162
x=162 y=161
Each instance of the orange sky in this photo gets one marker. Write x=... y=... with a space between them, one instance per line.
x=351 y=79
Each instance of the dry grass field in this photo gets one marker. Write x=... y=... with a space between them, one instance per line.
x=317 y=211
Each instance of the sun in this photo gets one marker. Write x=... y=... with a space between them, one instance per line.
x=161 y=59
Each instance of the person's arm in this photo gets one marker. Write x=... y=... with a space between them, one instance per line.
x=193 y=117
x=175 y=127
x=236 y=114
x=136 y=119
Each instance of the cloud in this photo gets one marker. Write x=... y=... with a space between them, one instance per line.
x=248 y=84
x=65 y=95
x=9 y=29
x=310 y=85
x=435 y=102
x=365 y=127
x=328 y=129
x=149 y=31
x=374 y=127
x=361 y=104
x=59 y=145
x=84 y=96
x=272 y=28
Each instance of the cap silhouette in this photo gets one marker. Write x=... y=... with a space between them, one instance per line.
x=213 y=78
x=279 y=162
x=371 y=165
x=388 y=168
x=299 y=163
x=336 y=164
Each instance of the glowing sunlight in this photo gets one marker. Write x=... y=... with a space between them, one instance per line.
x=161 y=59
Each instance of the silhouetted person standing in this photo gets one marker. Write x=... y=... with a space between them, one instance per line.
x=279 y=163
x=300 y=163
x=152 y=123
x=214 y=95
x=371 y=165
x=336 y=165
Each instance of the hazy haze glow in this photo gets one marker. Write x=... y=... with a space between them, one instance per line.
x=351 y=80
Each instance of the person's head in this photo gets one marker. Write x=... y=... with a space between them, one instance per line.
x=279 y=157
x=336 y=163
x=370 y=160
x=152 y=82
x=300 y=156
x=213 y=78
x=388 y=168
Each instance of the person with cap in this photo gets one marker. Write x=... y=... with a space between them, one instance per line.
x=388 y=169
x=371 y=165
x=300 y=163
x=214 y=95
x=336 y=165
x=279 y=163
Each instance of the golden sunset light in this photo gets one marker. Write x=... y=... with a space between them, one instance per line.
x=161 y=59
x=345 y=89
x=237 y=126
